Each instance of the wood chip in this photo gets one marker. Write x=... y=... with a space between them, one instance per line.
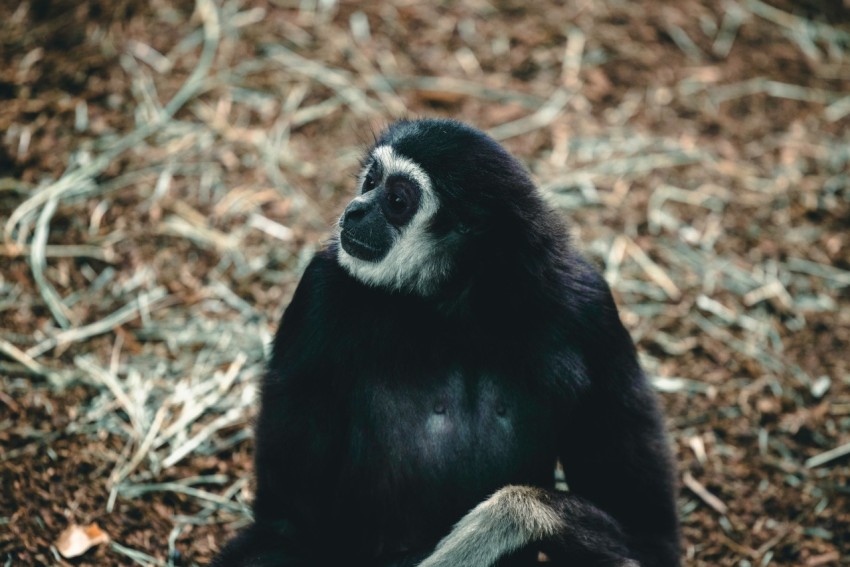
x=75 y=540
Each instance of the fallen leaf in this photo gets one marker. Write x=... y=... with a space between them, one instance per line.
x=76 y=539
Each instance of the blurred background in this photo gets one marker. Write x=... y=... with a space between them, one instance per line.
x=167 y=168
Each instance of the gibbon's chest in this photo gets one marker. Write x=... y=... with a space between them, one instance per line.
x=467 y=429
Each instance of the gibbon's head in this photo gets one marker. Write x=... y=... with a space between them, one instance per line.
x=431 y=193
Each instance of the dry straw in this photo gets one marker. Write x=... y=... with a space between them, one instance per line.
x=186 y=386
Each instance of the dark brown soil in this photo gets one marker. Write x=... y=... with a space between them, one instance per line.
x=775 y=155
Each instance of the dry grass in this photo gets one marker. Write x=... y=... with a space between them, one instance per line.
x=156 y=220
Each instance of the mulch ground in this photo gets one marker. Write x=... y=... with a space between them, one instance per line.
x=700 y=150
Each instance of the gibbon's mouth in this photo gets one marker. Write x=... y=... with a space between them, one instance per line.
x=359 y=249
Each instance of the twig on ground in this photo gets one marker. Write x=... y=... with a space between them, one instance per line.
x=697 y=488
x=138 y=556
x=38 y=262
x=828 y=456
x=106 y=255
x=29 y=362
x=653 y=270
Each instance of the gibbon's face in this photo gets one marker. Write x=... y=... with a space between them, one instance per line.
x=385 y=237
x=432 y=195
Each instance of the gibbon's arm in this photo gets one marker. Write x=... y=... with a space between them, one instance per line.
x=620 y=460
x=623 y=467
x=297 y=446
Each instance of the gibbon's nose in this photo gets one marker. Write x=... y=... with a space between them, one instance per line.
x=354 y=213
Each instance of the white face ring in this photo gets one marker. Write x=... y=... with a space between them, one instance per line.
x=415 y=262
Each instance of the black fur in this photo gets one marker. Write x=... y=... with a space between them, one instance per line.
x=387 y=416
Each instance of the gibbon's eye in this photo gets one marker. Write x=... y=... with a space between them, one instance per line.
x=372 y=178
x=396 y=202
x=401 y=199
